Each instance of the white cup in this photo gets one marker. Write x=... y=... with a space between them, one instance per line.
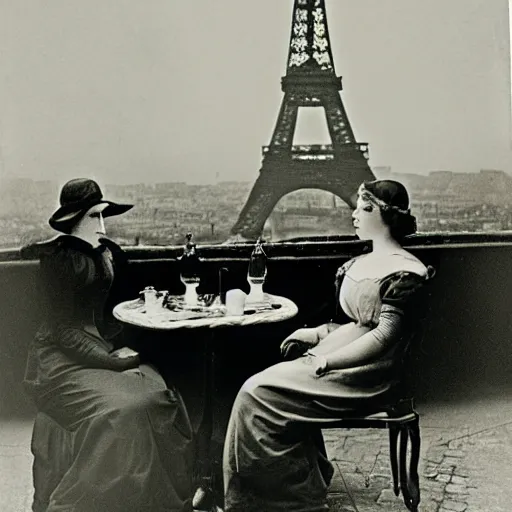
x=153 y=304
x=235 y=302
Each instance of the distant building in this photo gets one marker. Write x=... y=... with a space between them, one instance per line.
x=164 y=212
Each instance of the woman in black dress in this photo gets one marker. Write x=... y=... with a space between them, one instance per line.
x=109 y=435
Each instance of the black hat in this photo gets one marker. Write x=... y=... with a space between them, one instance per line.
x=76 y=197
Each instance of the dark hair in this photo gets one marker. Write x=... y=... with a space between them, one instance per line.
x=393 y=193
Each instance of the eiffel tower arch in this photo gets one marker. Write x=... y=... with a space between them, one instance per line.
x=310 y=81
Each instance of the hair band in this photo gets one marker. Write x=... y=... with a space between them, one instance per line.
x=367 y=195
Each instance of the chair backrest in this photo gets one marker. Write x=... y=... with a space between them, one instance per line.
x=413 y=342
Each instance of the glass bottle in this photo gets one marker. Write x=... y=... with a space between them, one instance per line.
x=190 y=265
x=256 y=275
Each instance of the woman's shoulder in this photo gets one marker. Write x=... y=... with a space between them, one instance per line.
x=68 y=245
x=380 y=266
x=404 y=284
x=65 y=257
x=58 y=245
x=73 y=254
x=405 y=262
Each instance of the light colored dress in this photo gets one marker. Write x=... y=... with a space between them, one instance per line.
x=273 y=459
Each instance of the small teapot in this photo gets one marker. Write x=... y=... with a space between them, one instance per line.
x=149 y=294
x=150 y=297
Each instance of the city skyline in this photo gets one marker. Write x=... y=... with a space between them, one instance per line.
x=381 y=172
x=442 y=201
x=191 y=90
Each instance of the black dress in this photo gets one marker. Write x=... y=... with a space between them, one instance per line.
x=107 y=437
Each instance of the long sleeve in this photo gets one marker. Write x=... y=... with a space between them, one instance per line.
x=71 y=281
x=86 y=350
x=400 y=297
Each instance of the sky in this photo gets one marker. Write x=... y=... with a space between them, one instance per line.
x=165 y=90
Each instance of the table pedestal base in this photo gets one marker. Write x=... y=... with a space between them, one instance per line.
x=133 y=312
x=205 y=498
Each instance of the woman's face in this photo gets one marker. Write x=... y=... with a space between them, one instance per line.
x=91 y=226
x=367 y=219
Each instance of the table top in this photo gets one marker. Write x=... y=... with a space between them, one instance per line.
x=133 y=312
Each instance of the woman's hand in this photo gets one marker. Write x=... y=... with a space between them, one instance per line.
x=299 y=342
x=124 y=353
x=126 y=358
x=320 y=365
x=308 y=335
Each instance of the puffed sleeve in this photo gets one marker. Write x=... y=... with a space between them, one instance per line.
x=401 y=296
x=403 y=289
x=65 y=272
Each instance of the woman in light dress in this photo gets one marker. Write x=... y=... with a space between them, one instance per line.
x=273 y=459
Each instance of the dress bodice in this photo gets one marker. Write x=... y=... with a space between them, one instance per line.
x=361 y=299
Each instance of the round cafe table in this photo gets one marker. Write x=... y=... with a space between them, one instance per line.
x=133 y=312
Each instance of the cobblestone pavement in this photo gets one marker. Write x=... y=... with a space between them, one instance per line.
x=464 y=467
x=364 y=479
x=465 y=462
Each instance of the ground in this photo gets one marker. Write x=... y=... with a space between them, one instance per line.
x=465 y=463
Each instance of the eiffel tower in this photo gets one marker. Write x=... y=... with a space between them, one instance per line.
x=310 y=81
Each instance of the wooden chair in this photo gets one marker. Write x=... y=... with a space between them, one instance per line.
x=402 y=422
x=400 y=417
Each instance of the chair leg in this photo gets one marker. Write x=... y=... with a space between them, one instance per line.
x=409 y=478
x=414 y=480
x=393 y=441
x=404 y=438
